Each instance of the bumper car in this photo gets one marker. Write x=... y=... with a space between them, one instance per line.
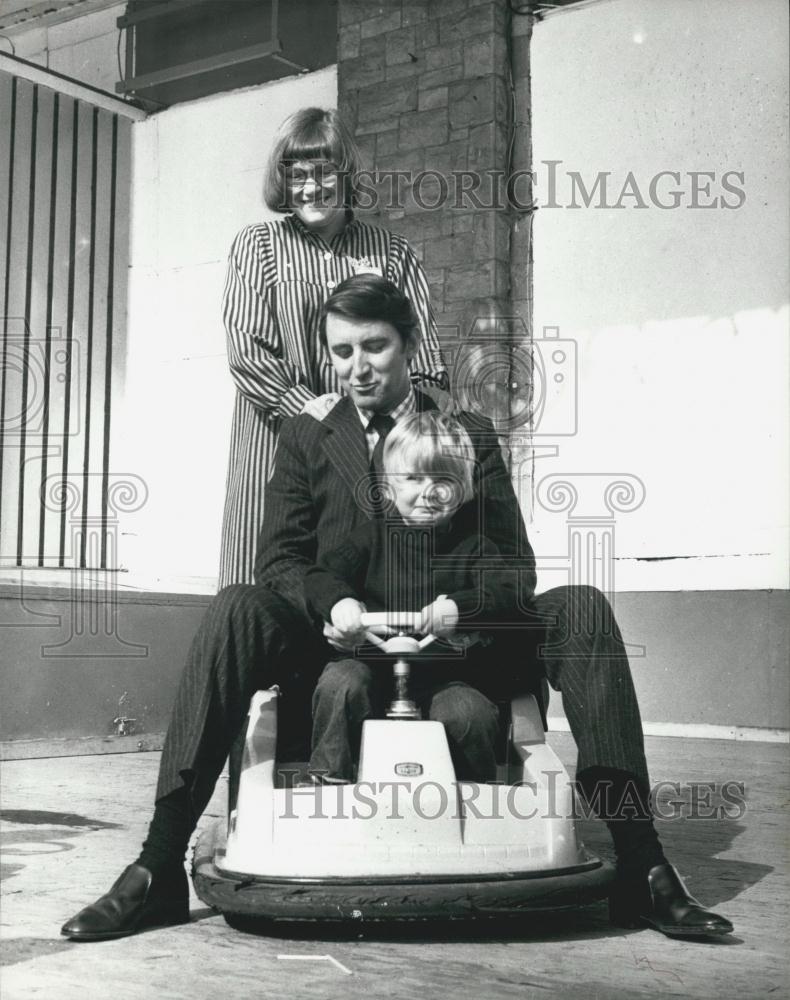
x=405 y=841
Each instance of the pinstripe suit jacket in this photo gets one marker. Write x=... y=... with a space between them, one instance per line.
x=316 y=498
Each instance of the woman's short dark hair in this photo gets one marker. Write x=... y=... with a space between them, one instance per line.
x=311 y=134
x=371 y=297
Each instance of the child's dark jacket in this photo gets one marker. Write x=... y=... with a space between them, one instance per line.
x=391 y=566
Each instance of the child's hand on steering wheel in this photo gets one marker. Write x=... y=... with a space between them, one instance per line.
x=346 y=630
x=439 y=618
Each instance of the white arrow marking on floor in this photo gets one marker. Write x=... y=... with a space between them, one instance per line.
x=316 y=958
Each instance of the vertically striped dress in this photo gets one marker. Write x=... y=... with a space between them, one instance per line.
x=279 y=275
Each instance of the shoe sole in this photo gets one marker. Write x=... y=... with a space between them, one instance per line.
x=637 y=923
x=689 y=932
x=137 y=929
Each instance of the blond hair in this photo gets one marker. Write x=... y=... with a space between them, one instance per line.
x=433 y=444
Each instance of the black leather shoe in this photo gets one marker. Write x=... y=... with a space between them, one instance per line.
x=135 y=901
x=662 y=901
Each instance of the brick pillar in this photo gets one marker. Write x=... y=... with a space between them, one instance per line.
x=425 y=86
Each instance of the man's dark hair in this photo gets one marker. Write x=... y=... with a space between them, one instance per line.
x=370 y=297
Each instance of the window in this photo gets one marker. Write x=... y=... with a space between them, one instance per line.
x=64 y=197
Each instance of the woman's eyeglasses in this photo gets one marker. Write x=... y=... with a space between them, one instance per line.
x=323 y=175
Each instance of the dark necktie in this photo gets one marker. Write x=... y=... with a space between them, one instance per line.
x=382 y=424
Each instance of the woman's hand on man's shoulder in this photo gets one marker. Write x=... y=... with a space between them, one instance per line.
x=320 y=406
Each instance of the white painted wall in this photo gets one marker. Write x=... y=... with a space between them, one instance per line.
x=681 y=315
x=197 y=179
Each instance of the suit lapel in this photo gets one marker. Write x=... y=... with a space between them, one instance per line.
x=345 y=445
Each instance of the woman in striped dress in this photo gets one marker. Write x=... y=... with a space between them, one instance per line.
x=279 y=275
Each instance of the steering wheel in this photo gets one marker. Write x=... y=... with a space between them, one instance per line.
x=386 y=622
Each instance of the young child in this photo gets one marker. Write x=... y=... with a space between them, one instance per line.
x=425 y=554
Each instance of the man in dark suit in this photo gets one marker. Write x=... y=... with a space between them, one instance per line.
x=259 y=635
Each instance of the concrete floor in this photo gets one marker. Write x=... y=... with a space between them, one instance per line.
x=69 y=825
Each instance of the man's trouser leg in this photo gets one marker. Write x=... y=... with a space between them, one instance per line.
x=249 y=639
x=583 y=656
